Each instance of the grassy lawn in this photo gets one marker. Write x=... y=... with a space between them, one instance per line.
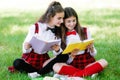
x=104 y=25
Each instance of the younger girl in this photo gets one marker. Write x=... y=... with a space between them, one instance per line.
x=81 y=63
x=47 y=28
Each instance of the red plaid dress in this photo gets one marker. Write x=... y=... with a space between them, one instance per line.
x=36 y=60
x=82 y=60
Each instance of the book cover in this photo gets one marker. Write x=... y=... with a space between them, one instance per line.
x=82 y=45
x=41 y=46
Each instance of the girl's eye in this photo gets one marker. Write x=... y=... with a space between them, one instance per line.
x=59 y=18
x=74 y=20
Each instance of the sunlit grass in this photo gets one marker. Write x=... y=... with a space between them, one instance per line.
x=103 y=24
x=102 y=18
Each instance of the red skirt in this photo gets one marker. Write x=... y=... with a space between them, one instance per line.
x=82 y=60
x=36 y=60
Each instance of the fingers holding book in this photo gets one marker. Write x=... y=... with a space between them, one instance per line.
x=91 y=47
x=27 y=45
x=56 y=47
x=74 y=52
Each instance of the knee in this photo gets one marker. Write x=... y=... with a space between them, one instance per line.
x=103 y=62
x=18 y=63
x=57 y=67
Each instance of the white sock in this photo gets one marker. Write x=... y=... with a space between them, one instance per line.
x=33 y=75
x=94 y=75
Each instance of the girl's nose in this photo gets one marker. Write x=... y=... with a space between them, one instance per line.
x=61 y=20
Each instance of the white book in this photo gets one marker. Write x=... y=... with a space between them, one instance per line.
x=41 y=46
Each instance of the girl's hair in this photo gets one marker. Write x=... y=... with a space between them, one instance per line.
x=53 y=8
x=69 y=12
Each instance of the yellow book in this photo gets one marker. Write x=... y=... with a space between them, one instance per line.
x=82 y=45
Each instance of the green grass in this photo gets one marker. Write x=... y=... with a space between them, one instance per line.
x=103 y=23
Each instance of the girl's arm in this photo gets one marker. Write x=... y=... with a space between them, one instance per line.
x=26 y=47
x=92 y=49
x=56 y=49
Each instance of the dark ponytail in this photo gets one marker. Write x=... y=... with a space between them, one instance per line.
x=53 y=8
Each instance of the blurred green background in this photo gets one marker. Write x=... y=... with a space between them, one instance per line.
x=101 y=17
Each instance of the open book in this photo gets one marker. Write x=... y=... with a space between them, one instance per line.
x=41 y=46
x=82 y=45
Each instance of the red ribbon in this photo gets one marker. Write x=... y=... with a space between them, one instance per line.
x=71 y=33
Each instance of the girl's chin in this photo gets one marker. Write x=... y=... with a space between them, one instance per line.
x=70 y=29
x=58 y=25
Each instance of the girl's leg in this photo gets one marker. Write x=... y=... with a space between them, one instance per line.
x=62 y=68
x=103 y=63
x=47 y=61
x=49 y=66
x=91 y=69
x=95 y=68
x=21 y=66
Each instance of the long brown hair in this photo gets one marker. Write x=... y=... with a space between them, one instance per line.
x=68 y=13
x=53 y=8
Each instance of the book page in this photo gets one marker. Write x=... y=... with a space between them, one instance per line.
x=41 y=46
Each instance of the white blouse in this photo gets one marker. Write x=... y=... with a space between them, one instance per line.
x=76 y=38
x=42 y=33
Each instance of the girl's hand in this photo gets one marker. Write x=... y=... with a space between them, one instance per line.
x=27 y=45
x=91 y=47
x=74 y=52
x=56 y=47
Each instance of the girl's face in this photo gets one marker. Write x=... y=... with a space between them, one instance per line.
x=70 y=23
x=57 y=19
